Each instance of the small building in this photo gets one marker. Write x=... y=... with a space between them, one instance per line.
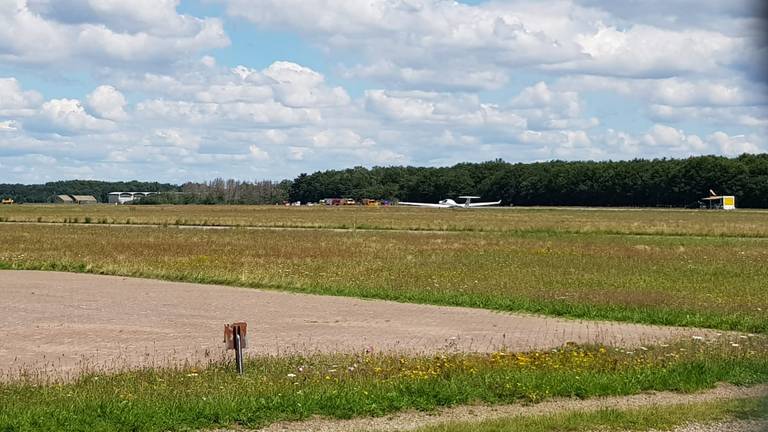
x=722 y=202
x=63 y=199
x=126 y=197
x=75 y=199
x=84 y=199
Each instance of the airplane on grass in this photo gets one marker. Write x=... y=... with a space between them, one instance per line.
x=449 y=203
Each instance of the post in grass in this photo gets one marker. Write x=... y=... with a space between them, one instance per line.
x=235 y=338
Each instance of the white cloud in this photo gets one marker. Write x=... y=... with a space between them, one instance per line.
x=735 y=145
x=431 y=43
x=343 y=138
x=751 y=116
x=404 y=81
x=258 y=153
x=439 y=108
x=649 y=52
x=8 y=125
x=102 y=32
x=176 y=138
x=14 y=101
x=298 y=86
x=69 y=116
x=297 y=153
x=718 y=101
x=673 y=139
x=108 y=103
x=677 y=91
x=662 y=140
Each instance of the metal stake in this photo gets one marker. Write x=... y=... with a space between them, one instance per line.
x=238 y=351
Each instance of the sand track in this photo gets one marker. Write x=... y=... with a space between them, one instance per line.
x=410 y=420
x=61 y=322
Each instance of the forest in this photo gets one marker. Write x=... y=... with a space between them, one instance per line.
x=42 y=193
x=634 y=183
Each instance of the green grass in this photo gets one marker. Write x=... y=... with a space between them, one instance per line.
x=657 y=418
x=345 y=386
x=710 y=282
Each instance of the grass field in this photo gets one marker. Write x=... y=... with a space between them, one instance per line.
x=716 y=282
x=741 y=223
x=344 y=386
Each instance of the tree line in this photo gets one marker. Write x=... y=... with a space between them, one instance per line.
x=639 y=182
x=220 y=191
x=42 y=193
x=217 y=191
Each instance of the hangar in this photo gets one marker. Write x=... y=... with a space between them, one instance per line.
x=75 y=199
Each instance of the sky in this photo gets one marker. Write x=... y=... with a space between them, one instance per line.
x=178 y=90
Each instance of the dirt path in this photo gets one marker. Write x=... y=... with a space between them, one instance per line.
x=413 y=420
x=58 y=323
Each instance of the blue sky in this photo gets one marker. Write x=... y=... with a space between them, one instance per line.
x=175 y=90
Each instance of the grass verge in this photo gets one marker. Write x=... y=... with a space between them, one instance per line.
x=658 y=418
x=345 y=386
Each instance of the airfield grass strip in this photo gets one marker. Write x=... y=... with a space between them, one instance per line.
x=387 y=228
x=657 y=418
x=600 y=221
x=345 y=386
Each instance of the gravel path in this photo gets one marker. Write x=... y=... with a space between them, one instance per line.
x=412 y=420
x=61 y=323
x=735 y=426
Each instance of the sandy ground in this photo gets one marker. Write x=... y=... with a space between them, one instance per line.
x=60 y=323
x=413 y=420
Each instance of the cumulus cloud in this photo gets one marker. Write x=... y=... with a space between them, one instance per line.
x=68 y=116
x=108 y=103
x=735 y=145
x=8 y=125
x=431 y=43
x=404 y=81
x=257 y=153
x=673 y=139
x=14 y=101
x=102 y=32
x=439 y=108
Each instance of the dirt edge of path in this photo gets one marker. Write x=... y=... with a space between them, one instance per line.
x=410 y=420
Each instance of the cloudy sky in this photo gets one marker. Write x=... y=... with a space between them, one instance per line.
x=253 y=89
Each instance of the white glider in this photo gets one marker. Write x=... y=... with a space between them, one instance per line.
x=449 y=203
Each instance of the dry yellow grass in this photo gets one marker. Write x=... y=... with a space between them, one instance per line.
x=751 y=223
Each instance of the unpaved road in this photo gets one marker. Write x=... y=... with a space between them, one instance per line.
x=57 y=323
x=406 y=421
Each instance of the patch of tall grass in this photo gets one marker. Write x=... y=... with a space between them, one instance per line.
x=344 y=386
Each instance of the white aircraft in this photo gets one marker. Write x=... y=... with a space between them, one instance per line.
x=449 y=203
